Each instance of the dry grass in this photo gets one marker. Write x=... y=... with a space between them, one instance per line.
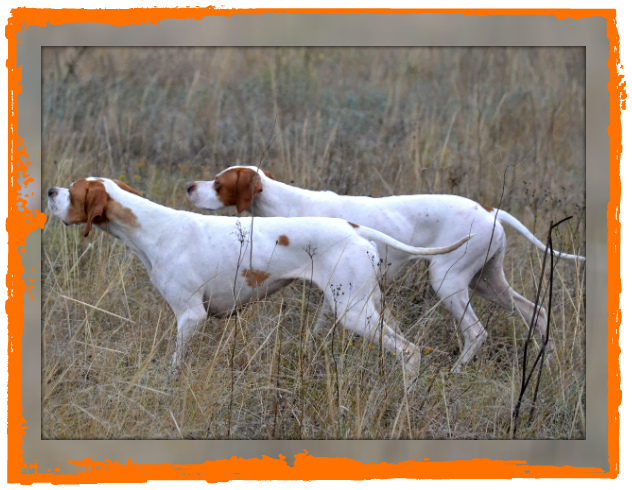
x=357 y=121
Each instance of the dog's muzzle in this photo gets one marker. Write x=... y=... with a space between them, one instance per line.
x=52 y=205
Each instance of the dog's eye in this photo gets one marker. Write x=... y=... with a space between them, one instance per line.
x=216 y=186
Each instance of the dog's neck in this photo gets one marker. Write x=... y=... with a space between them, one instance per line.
x=138 y=222
x=279 y=199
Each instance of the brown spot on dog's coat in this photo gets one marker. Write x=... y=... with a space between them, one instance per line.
x=487 y=208
x=127 y=188
x=283 y=241
x=353 y=224
x=119 y=213
x=254 y=277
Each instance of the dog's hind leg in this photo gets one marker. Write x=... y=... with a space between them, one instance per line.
x=452 y=289
x=491 y=284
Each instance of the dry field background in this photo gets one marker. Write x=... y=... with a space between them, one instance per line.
x=503 y=126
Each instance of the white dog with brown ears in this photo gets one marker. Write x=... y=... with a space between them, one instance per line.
x=421 y=220
x=205 y=264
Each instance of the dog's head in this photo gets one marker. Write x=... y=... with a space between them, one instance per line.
x=235 y=186
x=88 y=201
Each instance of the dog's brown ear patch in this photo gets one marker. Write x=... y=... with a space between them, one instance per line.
x=76 y=211
x=238 y=187
x=95 y=203
x=91 y=204
x=248 y=187
x=127 y=188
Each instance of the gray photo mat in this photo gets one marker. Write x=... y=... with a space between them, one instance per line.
x=337 y=30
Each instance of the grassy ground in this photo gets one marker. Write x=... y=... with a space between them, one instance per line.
x=503 y=126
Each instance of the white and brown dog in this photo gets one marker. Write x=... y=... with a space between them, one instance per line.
x=211 y=265
x=421 y=220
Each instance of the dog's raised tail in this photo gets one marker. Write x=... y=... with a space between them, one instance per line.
x=507 y=219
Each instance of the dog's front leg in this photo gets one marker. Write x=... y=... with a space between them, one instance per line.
x=188 y=321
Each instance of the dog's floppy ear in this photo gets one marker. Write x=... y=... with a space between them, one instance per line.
x=94 y=205
x=248 y=187
x=127 y=188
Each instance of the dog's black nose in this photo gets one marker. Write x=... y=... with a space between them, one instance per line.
x=191 y=187
x=52 y=191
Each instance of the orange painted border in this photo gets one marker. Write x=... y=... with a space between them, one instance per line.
x=306 y=467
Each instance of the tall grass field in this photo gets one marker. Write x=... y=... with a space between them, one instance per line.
x=502 y=126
